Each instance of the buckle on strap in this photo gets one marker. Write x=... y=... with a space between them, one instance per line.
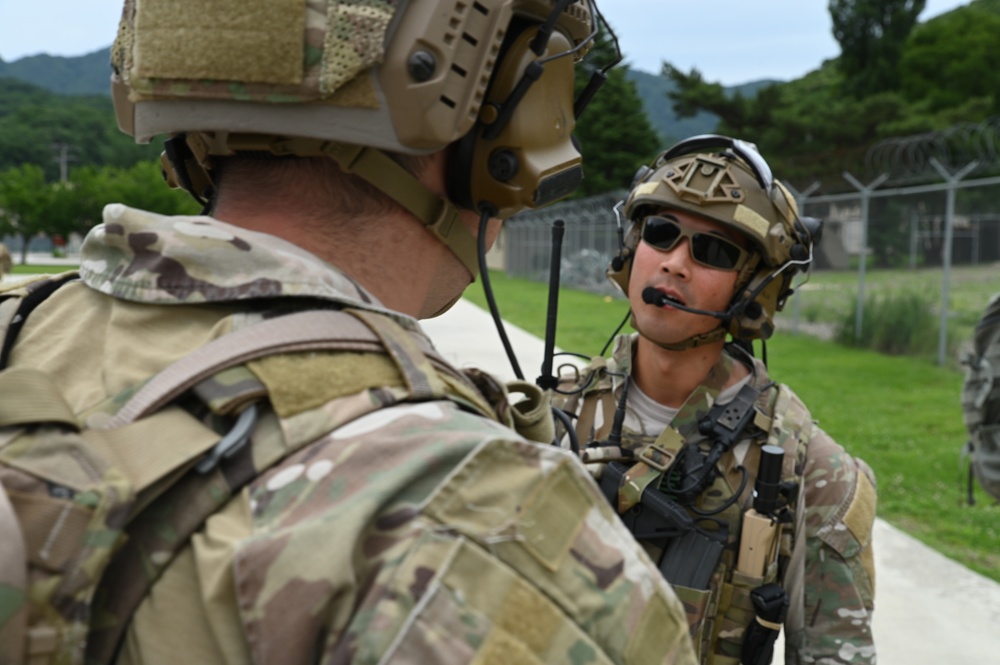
x=657 y=457
x=232 y=442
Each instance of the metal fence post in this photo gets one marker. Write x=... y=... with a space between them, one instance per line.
x=800 y=203
x=949 y=214
x=863 y=258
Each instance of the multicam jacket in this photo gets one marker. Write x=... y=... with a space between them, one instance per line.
x=825 y=561
x=402 y=532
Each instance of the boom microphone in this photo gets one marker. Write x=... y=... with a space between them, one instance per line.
x=651 y=296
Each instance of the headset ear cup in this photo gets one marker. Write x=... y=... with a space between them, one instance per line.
x=521 y=152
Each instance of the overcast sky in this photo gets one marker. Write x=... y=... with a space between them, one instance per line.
x=729 y=41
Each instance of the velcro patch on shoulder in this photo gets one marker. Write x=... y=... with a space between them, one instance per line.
x=860 y=514
x=298 y=382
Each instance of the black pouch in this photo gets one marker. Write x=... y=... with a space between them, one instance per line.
x=770 y=603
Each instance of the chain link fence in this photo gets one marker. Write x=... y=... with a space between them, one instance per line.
x=589 y=243
x=926 y=230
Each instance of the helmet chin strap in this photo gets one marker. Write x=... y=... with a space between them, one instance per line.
x=438 y=215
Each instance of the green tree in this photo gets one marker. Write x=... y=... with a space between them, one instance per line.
x=954 y=59
x=614 y=131
x=30 y=206
x=872 y=35
x=142 y=186
x=34 y=122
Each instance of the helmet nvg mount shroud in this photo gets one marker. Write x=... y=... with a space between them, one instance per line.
x=352 y=79
x=727 y=181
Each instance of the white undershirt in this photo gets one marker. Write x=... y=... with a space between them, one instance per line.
x=646 y=415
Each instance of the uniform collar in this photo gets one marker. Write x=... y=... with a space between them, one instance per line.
x=185 y=260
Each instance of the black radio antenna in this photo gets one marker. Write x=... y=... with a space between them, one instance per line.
x=548 y=381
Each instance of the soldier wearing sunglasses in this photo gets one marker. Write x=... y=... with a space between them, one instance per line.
x=760 y=521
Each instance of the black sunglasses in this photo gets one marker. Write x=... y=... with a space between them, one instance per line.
x=708 y=249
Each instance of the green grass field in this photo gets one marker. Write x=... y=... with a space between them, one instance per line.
x=39 y=269
x=902 y=415
x=830 y=295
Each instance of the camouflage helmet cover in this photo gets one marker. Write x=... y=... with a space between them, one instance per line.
x=353 y=79
x=726 y=180
x=400 y=75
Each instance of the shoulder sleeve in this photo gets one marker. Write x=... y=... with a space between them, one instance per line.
x=839 y=501
x=432 y=536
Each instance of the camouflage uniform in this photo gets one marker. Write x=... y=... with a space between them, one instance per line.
x=417 y=532
x=825 y=560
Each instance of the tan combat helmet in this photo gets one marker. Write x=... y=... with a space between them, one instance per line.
x=354 y=78
x=726 y=180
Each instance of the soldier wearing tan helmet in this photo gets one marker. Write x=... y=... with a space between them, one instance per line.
x=249 y=451
x=759 y=520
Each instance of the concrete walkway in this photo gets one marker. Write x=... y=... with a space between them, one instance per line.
x=929 y=610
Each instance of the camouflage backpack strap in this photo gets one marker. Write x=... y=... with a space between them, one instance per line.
x=231 y=463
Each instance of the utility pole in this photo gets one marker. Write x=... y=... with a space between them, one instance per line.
x=63 y=158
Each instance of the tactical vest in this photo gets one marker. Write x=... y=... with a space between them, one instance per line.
x=75 y=486
x=718 y=599
x=981 y=403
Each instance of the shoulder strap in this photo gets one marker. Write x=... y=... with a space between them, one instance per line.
x=18 y=303
x=322 y=330
x=203 y=492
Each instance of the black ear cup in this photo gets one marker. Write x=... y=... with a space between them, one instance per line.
x=809 y=230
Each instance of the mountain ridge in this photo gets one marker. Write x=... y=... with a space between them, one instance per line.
x=88 y=74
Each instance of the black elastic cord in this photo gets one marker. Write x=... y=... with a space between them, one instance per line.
x=40 y=292
x=484 y=221
x=567 y=423
x=615 y=333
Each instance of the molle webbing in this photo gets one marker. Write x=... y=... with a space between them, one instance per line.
x=143 y=457
x=324 y=330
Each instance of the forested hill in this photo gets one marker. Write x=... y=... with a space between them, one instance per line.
x=653 y=89
x=36 y=123
x=88 y=75
x=83 y=75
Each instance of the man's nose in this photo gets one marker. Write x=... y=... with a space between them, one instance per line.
x=678 y=258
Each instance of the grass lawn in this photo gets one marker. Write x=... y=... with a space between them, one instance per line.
x=829 y=296
x=901 y=415
x=39 y=269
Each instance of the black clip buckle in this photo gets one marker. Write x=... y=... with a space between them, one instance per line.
x=232 y=442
